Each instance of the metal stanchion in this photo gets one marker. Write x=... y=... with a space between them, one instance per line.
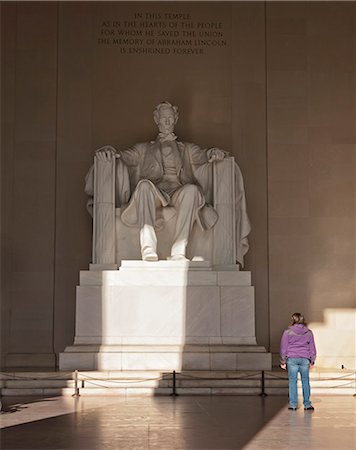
x=174 y=391
x=263 y=393
x=76 y=385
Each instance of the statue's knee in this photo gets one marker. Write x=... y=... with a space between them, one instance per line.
x=191 y=190
x=144 y=186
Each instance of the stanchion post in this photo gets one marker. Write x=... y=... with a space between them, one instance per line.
x=174 y=386
x=76 y=385
x=263 y=393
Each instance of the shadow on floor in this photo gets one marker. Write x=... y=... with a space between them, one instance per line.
x=145 y=423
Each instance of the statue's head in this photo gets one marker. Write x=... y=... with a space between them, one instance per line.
x=165 y=116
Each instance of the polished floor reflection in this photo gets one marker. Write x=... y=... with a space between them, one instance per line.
x=249 y=423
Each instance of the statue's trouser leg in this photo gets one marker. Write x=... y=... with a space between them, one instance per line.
x=186 y=201
x=147 y=202
x=148 y=242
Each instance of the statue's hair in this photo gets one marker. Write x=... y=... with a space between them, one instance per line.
x=163 y=105
x=297 y=318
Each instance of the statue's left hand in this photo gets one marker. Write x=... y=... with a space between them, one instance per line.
x=216 y=154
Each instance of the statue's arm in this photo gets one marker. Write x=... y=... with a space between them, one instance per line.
x=131 y=155
x=200 y=155
x=197 y=154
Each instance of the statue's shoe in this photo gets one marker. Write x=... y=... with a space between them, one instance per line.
x=177 y=258
x=149 y=254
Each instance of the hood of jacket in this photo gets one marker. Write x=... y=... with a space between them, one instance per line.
x=299 y=329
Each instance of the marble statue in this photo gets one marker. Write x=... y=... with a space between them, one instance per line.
x=168 y=172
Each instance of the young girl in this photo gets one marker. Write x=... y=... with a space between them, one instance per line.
x=298 y=355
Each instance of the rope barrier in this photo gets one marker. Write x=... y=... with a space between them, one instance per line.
x=173 y=376
x=174 y=387
x=316 y=379
x=248 y=377
x=98 y=385
x=62 y=375
x=127 y=380
x=261 y=376
x=339 y=385
x=268 y=375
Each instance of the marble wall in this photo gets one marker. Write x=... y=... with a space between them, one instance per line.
x=311 y=171
x=279 y=94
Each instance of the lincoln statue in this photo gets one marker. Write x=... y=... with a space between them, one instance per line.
x=166 y=172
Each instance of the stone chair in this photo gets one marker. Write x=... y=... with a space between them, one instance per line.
x=113 y=241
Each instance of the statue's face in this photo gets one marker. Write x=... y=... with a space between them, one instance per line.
x=166 y=120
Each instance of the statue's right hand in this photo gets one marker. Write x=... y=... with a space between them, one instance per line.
x=106 y=153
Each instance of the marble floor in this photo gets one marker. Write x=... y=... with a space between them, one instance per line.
x=244 y=422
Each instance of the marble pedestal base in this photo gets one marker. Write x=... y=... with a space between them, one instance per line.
x=165 y=315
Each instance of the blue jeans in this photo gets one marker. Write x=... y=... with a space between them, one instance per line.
x=296 y=365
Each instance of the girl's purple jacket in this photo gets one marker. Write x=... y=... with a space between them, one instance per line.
x=297 y=342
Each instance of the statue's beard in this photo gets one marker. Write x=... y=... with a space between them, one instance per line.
x=166 y=130
x=170 y=136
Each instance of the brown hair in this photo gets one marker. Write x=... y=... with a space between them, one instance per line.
x=297 y=319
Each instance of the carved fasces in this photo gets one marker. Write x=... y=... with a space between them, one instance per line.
x=104 y=206
x=224 y=201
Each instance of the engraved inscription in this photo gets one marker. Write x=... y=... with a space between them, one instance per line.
x=166 y=33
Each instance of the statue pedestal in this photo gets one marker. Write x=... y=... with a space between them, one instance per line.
x=165 y=315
